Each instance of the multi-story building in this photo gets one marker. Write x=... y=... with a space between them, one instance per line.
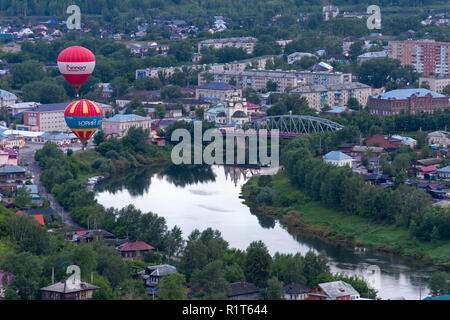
x=329 y=12
x=119 y=124
x=216 y=91
x=50 y=117
x=427 y=56
x=408 y=100
x=257 y=79
x=241 y=65
x=435 y=83
x=246 y=43
x=439 y=138
x=334 y=95
x=46 y=117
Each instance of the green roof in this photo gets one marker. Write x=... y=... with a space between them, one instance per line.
x=444 y=297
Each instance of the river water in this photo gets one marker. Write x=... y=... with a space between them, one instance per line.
x=209 y=197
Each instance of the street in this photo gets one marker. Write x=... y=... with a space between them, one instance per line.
x=26 y=159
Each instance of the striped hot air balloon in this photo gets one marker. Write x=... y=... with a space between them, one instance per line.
x=83 y=117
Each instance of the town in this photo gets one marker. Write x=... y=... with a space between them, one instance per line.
x=363 y=118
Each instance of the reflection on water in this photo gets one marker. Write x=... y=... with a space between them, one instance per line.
x=201 y=196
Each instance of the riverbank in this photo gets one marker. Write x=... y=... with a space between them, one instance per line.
x=304 y=216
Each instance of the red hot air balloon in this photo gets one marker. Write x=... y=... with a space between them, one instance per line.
x=76 y=64
x=83 y=117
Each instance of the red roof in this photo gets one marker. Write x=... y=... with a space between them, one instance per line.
x=81 y=232
x=39 y=217
x=428 y=168
x=135 y=246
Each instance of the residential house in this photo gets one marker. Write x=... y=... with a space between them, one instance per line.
x=153 y=274
x=8 y=156
x=370 y=56
x=134 y=250
x=11 y=141
x=338 y=158
x=38 y=217
x=439 y=139
x=359 y=151
x=385 y=142
x=427 y=172
x=444 y=173
x=12 y=174
x=242 y=291
x=336 y=290
x=60 y=138
x=63 y=291
x=20 y=107
x=408 y=141
x=295 y=291
x=119 y=124
x=245 y=43
x=7 y=98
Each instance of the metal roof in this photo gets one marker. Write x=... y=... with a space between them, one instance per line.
x=336 y=155
x=403 y=94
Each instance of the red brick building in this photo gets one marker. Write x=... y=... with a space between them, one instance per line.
x=407 y=100
x=385 y=142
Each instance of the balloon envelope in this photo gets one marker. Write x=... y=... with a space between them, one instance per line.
x=76 y=64
x=83 y=117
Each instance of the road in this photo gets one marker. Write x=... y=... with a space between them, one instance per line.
x=26 y=159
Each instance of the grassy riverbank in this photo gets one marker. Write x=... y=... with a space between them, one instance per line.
x=305 y=216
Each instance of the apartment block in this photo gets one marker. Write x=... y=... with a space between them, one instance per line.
x=427 y=56
x=257 y=79
x=246 y=43
x=436 y=84
x=334 y=95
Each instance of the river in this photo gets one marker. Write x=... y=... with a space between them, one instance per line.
x=209 y=197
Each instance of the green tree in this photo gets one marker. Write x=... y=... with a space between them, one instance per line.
x=257 y=263
x=209 y=283
x=446 y=90
x=438 y=283
x=160 y=111
x=99 y=137
x=171 y=287
x=26 y=270
x=274 y=290
x=26 y=72
x=23 y=197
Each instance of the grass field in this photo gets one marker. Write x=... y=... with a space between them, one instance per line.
x=336 y=225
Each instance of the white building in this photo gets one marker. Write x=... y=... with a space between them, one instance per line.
x=338 y=159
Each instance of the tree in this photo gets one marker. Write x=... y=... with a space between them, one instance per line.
x=119 y=85
x=200 y=112
x=353 y=103
x=438 y=283
x=27 y=274
x=401 y=162
x=160 y=111
x=271 y=86
x=26 y=72
x=99 y=137
x=274 y=290
x=171 y=287
x=105 y=292
x=356 y=49
x=182 y=51
x=209 y=283
x=23 y=197
x=171 y=92
x=446 y=90
x=44 y=91
x=257 y=263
